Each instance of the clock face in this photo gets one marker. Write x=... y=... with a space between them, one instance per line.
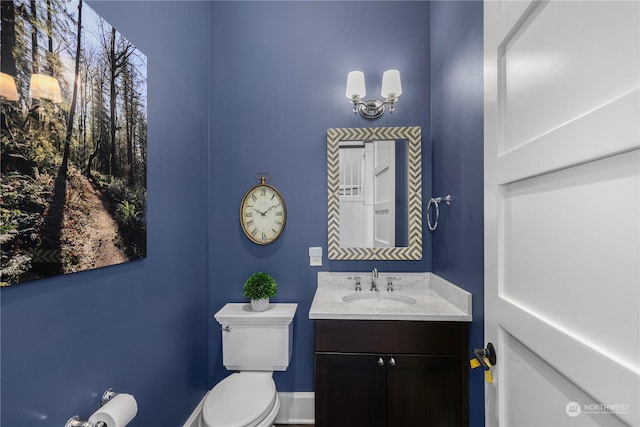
x=263 y=214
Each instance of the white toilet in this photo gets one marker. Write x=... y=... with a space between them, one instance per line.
x=255 y=344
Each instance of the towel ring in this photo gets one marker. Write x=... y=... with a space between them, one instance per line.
x=436 y=202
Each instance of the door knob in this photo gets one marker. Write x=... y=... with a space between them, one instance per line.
x=392 y=361
x=489 y=353
x=380 y=361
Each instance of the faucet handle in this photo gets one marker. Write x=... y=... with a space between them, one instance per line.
x=390 y=282
x=357 y=279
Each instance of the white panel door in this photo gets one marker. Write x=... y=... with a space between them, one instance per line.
x=384 y=199
x=562 y=212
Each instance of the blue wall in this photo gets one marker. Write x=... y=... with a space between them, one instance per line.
x=457 y=132
x=278 y=76
x=137 y=327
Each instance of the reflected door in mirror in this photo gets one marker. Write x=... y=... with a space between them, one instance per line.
x=373 y=193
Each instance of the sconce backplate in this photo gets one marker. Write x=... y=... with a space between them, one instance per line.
x=371 y=109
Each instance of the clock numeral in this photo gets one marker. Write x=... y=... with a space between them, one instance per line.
x=263 y=192
x=273 y=195
x=249 y=223
x=249 y=214
x=278 y=213
x=254 y=197
x=264 y=236
x=274 y=232
x=277 y=222
x=254 y=232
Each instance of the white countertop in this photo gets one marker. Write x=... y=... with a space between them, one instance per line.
x=436 y=298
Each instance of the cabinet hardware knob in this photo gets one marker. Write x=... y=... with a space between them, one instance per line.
x=392 y=361
x=380 y=361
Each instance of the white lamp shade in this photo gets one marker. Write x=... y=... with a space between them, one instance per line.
x=8 y=88
x=355 y=85
x=391 y=84
x=45 y=87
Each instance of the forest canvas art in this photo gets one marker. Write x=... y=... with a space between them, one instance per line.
x=74 y=141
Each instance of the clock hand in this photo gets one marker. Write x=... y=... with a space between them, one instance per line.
x=262 y=214
x=265 y=212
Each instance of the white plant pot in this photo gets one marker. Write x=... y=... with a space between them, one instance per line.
x=261 y=304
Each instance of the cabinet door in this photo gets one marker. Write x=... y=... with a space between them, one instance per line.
x=350 y=390
x=424 y=391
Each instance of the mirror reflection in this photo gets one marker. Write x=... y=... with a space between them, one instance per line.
x=373 y=194
x=374 y=182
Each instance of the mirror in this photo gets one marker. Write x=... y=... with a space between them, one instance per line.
x=374 y=178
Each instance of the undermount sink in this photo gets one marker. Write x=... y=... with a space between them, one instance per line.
x=378 y=299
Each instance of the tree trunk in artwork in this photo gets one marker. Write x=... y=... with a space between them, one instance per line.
x=96 y=120
x=113 y=164
x=72 y=110
x=34 y=37
x=50 y=39
x=129 y=114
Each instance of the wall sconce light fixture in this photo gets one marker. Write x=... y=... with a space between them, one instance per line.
x=8 y=90
x=45 y=87
x=372 y=109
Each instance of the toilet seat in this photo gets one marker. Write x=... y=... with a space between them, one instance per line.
x=243 y=399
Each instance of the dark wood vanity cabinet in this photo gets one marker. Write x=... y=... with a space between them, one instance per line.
x=371 y=373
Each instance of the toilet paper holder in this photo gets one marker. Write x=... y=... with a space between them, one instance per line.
x=107 y=396
x=75 y=421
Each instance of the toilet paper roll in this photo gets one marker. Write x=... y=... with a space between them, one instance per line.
x=118 y=412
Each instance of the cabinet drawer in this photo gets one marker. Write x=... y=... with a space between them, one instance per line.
x=390 y=336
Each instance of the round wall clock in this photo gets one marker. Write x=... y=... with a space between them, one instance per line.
x=263 y=213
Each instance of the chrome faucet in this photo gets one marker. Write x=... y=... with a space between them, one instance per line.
x=374 y=278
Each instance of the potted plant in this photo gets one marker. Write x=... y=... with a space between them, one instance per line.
x=259 y=287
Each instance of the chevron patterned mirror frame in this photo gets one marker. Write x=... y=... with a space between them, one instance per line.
x=413 y=135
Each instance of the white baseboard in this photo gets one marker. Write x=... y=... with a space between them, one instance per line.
x=295 y=408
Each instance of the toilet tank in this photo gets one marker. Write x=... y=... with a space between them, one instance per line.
x=256 y=341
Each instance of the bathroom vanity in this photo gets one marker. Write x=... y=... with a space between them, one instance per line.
x=390 y=358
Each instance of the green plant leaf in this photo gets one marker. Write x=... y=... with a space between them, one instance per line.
x=260 y=285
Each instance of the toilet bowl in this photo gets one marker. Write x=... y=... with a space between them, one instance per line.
x=244 y=399
x=255 y=344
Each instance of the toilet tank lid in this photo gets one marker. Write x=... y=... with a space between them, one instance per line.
x=238 y=313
